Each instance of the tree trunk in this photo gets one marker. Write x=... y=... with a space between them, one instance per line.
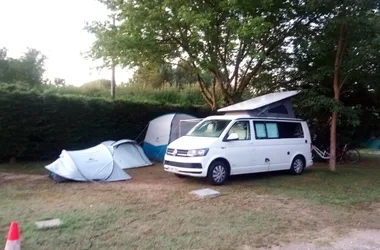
x=334 y=119
x=227 y=98
x=336 y=86
x=332 y=163
x=113 y=82
x=207 y=95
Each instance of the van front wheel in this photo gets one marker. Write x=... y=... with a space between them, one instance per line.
x=297 y=166
x=217 y=173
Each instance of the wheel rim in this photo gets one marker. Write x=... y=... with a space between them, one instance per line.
x=298 y=165
x=352 y=156
x=219 y=173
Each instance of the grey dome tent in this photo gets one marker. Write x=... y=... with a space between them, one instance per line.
x=104 y=162
x=165 y=129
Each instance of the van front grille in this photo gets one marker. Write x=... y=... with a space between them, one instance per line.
x=183 y=165
x=180 y=152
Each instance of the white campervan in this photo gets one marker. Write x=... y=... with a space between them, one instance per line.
x=257 y=135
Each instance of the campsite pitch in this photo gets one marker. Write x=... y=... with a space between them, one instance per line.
x=155 y=210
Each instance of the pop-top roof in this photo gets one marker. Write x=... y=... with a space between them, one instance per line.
x=259 y=102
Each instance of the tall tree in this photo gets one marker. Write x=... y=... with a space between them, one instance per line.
x=113 y=66
x=59 y=82
x=102 y=84
x=28 y=69
x=230 y=39
x=353 y=26
x=153 y=75
x=337 y=62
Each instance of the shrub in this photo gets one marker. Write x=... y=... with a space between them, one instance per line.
x=36 y=125
x=185 y=95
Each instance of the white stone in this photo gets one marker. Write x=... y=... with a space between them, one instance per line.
x=205 y=193
x=48 y=223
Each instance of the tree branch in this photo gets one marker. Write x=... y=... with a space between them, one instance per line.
x=344 y=80
x=223 y=61
x=226 y=51
x=225 y=93
x=244 y=83
x=339 y=52
x=248 y=76
x=344 y=42
x=213 y=92
x=239 y=58
x=205 y=92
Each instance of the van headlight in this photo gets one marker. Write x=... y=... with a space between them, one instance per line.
x=197 y=152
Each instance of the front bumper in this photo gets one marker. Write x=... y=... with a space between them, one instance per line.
x=191 y=166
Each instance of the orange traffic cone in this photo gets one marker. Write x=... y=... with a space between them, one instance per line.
x=13 y=241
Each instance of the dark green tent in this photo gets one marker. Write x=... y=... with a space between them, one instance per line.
x=372 y=143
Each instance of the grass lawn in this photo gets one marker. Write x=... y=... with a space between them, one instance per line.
x=24 y=168
x=154 y=210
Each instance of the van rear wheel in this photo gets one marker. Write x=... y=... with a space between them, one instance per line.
x=298 y=165
x=217 y=173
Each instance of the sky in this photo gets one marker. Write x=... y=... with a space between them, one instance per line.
x=56 y=28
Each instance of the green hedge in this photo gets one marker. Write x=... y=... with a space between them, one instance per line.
x=35 y=126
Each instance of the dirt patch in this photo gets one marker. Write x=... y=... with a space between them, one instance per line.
x=355 y=240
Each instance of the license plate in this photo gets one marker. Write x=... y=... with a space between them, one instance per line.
x=171 y=169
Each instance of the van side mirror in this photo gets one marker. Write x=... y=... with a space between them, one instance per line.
x=233 y=137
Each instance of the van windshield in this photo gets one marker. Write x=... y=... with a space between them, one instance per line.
x=209 y=128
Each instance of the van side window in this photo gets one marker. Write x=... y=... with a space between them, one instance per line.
x=242 y=129
x=261 y=132
x=272 y=130
x=290 y=130
x=266 y=130
x=278 y=130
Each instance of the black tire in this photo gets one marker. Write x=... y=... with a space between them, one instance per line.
x=298 y=165
x=181 y=176
x=217 y=173
x=351 y=156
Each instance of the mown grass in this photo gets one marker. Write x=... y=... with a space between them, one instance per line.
x=24 y=167
x=154 y=210
x=107 y=219
x=348 y=185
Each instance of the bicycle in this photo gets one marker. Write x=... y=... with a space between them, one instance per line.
x=345 y=154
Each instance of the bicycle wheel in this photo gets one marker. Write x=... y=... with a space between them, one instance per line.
x=352 y=156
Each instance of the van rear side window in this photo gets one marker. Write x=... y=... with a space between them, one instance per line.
x=290 y=130
x=278 y=130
